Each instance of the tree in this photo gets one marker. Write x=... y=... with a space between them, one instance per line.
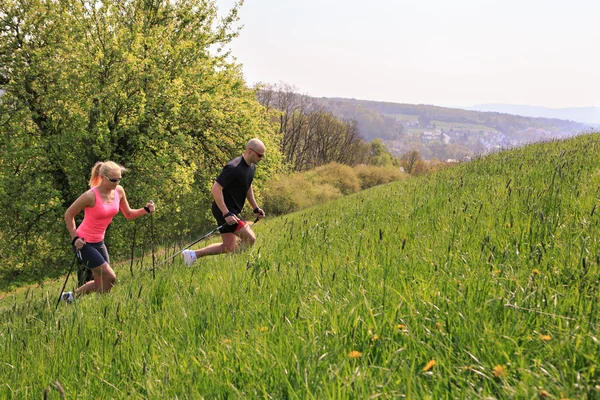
x=310 y=135
x=146 y=83
x=410 y=160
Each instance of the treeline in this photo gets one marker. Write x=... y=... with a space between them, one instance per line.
x=145 y=83
x=312 y=136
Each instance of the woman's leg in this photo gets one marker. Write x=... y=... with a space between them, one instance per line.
x=104 y=280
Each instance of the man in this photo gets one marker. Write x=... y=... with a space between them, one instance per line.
x=230 y=191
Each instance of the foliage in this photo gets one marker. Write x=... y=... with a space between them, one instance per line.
x=286 y=193
x=144 y=83
x=296 y=191
x=372 y=175
x=311 y=136
x=337 y=175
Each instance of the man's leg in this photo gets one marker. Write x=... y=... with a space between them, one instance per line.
x=247 y=236
x=227 y=245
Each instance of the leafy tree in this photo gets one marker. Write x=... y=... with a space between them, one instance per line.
x=146 y=83
x=410 y=160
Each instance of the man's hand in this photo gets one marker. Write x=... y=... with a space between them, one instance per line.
x=231 y=218
x=260 y=212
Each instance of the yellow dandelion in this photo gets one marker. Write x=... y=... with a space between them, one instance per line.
x=535 y=272
x=499 y=371
x=438 y=325
x=545 y=338
x=543 y=393
x=459 y=282
x=354 y=354
x=429 y=365
x=226 y=341
x=401 y=327
x=375 y=337
x=264 y=329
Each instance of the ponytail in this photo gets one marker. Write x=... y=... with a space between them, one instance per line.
x=96 y=178
x=103 y=168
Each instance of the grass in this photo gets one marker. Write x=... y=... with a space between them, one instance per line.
x=479 y=281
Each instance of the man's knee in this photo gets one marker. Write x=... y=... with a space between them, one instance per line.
x=229 y=247
x=249 y=240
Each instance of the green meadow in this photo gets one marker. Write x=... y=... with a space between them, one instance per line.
x=475 y=282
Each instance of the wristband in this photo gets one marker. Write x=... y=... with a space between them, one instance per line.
x=74 y=240
x=229 y=214
x=147 y=209
x=256 y=210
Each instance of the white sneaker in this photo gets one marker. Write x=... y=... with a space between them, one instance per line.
x=68 y=297
x=189 y=256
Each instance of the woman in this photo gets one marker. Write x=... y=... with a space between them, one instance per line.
x=100 y=204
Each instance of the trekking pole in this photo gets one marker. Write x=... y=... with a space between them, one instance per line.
x=66 y=280
x=188 y=246
x=152 y=240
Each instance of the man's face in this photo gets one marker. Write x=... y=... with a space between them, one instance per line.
x=257 y=154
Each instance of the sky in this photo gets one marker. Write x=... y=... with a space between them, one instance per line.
x=448 y=53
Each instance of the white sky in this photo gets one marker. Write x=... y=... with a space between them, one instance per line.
x=447 y=53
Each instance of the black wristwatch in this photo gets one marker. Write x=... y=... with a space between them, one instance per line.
x=147 y=209
x=229 y=214
x=256 y=210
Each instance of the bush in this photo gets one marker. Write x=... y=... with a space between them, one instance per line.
x=337 y=175
x=371 y=175
x=288 y=193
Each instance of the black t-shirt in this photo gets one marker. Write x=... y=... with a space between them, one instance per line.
x=236 y=178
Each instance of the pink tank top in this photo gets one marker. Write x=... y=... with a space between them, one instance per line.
x=97 y=218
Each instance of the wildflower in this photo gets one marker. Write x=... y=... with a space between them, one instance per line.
x=535 y=272
x=545 y=338
x=401 y=327
x=429 y=365
x=264 y=329
x=354 y=354
x=544 y=394
x=499 y=371
x=438 y=325
x=375 y=338
x=226 y=341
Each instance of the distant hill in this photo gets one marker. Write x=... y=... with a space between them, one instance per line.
x=442 y=133
x=589 y=115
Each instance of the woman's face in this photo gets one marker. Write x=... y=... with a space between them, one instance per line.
x=112 y=178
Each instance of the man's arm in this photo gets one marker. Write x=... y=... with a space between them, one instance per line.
x=256 y=209
x=251 y=199
x=217 y=193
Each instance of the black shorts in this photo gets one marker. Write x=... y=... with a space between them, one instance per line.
x=220 y=221
x=93 y=255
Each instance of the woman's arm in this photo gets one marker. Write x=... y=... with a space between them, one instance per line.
x=127 y=211
x=87 y=199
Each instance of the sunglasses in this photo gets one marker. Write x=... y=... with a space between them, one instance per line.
x=258 y=154
x=113 y=180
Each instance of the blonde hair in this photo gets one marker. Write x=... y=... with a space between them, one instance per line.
x=103 y=168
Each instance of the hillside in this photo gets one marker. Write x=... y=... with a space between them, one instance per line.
x=442 y=133
x=588 y=115
x=479 y=281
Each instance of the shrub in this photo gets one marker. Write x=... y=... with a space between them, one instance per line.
x=371 y=175
x=288 y=193
x=337 y=175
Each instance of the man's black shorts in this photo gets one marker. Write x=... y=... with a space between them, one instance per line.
x=220 y=221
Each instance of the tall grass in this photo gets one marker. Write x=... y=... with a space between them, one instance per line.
x=479 y=281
